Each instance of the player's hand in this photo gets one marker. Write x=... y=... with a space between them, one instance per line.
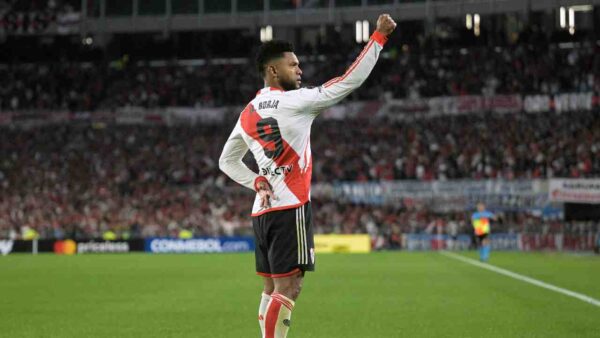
x=266 y=194
x=385 y=24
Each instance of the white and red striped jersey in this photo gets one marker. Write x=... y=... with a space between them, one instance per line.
x=276 y=125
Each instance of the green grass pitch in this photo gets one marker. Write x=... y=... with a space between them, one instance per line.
x=392 y=294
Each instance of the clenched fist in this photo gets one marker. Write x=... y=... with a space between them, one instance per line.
x=385 y=24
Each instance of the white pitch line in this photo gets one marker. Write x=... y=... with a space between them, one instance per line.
x=526 y=279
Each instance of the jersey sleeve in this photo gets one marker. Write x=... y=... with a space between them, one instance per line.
x=231 y=163
x=319 y=98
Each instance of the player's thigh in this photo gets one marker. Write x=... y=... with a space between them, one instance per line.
x=260 y=226
x=292 y=246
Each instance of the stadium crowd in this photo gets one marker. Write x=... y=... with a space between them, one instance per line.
x=484 y=146
x=524 y=69
x=32 y=16
x=79 y=180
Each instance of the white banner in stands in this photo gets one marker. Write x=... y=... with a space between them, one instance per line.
x=573 y=102
x=455 y=194
x=451 y=105
x=192 y=116
x=575 y=190
x=406 y=109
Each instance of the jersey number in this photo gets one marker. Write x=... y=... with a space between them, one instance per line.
x=268 y=131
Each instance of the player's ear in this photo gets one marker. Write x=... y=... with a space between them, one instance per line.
x=272 y=70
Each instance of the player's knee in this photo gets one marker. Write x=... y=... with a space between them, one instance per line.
x=292 y=292
x=287 y=290
x=296 y=288
x=268 y=289
x=291 y=289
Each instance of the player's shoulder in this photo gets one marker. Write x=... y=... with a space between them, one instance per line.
x=301 y=92
x=301 y=98
x=292 y=103
x=309 y=90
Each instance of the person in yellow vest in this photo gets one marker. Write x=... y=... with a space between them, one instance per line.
x=481 y=226
x=109 y=235
x=185 y=234
x=29 y=233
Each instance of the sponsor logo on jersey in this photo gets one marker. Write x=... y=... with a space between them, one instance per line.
x=270 y=104
x=277 y=171
x=6 y=247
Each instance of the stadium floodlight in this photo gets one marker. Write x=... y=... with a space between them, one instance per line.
x=571 y=17
x=563 y=17
x=362 y=31
x=269 y=33
x=582 y=8
x=469 y=21
x=365 y=30
x=571 y=21
x=476 y=24
x=266 y=33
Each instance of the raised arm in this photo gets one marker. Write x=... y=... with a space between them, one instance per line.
x=339 y=87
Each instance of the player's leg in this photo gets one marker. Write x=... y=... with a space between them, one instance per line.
x=291 y=253
x=269 y=285
x=259 y=225
x=486 y=248
x=279 y=311
x=480 y=246
x=264 y=302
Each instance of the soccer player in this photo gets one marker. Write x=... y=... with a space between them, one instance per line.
x=481 y=226
x=275 y=126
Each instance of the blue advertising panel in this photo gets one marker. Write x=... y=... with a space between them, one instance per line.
x=199 y=245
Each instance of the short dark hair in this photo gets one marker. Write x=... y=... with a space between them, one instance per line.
x=269 y=51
